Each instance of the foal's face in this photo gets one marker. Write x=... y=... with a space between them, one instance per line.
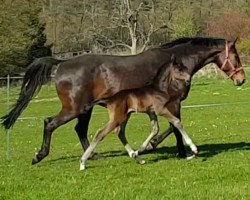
x=180 y=74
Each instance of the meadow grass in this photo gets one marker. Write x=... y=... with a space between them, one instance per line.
x=221 y=170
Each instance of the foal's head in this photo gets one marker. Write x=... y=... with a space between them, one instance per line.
x=179 y=73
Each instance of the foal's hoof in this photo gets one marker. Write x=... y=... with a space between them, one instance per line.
x=139 y=160
x=194 y=149
x=82 y=167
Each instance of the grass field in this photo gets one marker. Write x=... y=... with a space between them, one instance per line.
x=221 y=170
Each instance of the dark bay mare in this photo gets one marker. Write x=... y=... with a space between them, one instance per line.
x=151 y=100
x=82 y=80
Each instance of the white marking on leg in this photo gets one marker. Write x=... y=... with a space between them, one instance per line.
x=87 y=154
x=130 y=151
x=154 y=132
x=177 y=123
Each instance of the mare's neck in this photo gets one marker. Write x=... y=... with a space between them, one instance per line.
x=195 y=57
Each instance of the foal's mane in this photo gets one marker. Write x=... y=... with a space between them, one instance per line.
x=195 y=41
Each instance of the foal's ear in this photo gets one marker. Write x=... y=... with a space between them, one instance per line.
x=173 y=59
x=234 y=42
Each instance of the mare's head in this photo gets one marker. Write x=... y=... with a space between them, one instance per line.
x=229 y=62
x=197 y=52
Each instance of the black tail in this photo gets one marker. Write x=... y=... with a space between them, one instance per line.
x=38 y=74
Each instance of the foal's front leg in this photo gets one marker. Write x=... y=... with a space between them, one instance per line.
x=178 y=125
x=123 y=139
x=174 y=107
x=154 y=132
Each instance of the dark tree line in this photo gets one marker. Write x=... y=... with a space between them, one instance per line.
x=30 y=27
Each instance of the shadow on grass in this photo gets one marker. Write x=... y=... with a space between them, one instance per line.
x=208 y=150
x=164 y=153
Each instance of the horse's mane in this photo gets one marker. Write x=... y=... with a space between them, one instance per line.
x=195 y=41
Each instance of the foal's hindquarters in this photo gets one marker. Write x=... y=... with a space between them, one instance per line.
x=146 y=100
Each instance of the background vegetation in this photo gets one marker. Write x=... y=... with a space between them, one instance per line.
x=34 y=28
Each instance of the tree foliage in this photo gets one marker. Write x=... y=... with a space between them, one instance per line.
x=21 y=35
x=28 y=26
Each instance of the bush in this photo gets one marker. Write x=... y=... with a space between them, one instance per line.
x=183 y=24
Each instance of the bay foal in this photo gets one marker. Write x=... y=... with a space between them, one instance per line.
x=150 y=100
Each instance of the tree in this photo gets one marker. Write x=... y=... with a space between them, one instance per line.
x=18 y=35
x=38 y=48
x=182 y=24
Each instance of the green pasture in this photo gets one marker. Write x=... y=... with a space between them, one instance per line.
x=221 y=171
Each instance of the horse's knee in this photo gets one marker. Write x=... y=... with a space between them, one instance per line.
x=47 y=120
x=49 y=127
x=177 y=124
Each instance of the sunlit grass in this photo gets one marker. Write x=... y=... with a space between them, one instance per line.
x=221 y=171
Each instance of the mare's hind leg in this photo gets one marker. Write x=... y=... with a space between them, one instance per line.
x=99 y=136
x=82 y=126
x=155 y=130
x=50 y=124
x=123 y=139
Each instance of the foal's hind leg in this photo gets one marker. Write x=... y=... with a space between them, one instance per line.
x=174 y=107
x=155 y=130
x=50 y=124
x=123 y=139
x=98 y=137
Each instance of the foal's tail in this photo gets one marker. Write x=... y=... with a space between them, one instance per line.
x=38 y=74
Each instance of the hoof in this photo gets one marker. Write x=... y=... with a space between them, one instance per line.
x=142 y=162
x=35 y=160
x=82 y=167
x=187 y=156
x=190 y=157
x=139 y=160
x=194 y=149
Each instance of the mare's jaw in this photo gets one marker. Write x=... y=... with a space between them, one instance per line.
x=238 y=82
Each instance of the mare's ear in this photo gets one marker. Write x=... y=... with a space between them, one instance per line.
x=232 y=43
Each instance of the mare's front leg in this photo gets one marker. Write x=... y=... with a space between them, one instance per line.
x=99 y=136
x=154 y=132
x=82 y=126
x=81 y=129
